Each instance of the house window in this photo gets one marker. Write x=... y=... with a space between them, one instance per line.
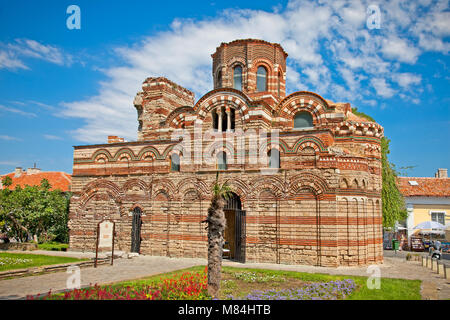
x=303 y=119
x=175 y=162
x=438 y=217
x=222 y=161
x=237 y=78
x=274 y=158
x=261 y=79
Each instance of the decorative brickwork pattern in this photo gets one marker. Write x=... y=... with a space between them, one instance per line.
x=321 y=207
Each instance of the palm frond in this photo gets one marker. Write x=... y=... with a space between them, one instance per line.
x=223 y=190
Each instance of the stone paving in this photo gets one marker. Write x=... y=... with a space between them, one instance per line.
x=433 y=286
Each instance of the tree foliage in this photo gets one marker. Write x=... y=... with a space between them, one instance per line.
x=34 y=210
x=393 y=202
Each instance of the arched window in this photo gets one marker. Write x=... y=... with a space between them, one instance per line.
x=237 y=78
x=223 y=120
x=274 y=158
x=279 y=83
x=303 y=119
x=219 y=79
x=215 y=119
x=261 y=79
x=222 y=161
x=175 y=162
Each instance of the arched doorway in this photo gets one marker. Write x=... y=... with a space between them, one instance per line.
x=235 y=228
x=136 y=230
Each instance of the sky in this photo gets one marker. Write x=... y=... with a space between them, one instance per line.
x=62 y=87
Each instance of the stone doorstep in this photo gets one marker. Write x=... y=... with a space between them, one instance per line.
x=51 y=268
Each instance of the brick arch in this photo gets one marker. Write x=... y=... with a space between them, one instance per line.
x=230 y=101
x=163 y=185
x=234 y=62
x=273 y=183
x=308 y=181
x=170 y=150
x=130 y=154
x=136 y=182
x=177 y=116
x=147 y=150
x=103 y=152
x=135 y=205
x=184 y=195
x=343 y=183
x=224 y=97
x=306 y=96
x=267 y=145
x=192 y=183
x=218 y=146
x=101 y=156
x=266 y=63
x=309 y=141
x=239 y=187
x=114 y=191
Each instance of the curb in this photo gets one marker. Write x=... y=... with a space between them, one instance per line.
x=436 y=266
x=17 y=273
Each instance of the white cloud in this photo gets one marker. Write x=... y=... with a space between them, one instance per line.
x=52 y=137
x=399 y=49
x=9 y=61
x=17 y=111
x=330 y=49
x=382 y=88
x=405 y=80
x=9 y=138
x=13 y=54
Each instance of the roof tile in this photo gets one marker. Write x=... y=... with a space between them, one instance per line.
x=428 y=187
x=58 y=180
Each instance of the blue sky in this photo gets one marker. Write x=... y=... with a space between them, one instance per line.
x=61 y=87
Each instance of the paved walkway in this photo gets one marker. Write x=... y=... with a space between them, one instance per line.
x=122 y=270
x=433 y=286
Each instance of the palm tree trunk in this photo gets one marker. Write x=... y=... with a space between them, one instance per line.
x=216 y=226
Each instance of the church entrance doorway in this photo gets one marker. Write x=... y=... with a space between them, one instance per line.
x=234 y=234
x=136 y=230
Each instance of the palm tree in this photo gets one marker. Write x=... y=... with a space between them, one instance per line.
x=216 y=226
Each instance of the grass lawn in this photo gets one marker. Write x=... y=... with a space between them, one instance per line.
x=239 y=282
x=391 y=289
x=11 y=261
x=53 y=246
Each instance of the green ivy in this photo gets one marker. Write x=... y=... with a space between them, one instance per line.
x=393 y=202
x=362 y=114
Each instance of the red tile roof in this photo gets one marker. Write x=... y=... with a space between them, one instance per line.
x=428 y=187
x=58 y=180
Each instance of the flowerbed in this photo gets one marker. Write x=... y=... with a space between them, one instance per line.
x=255 y=277
x=332 y=290
x=188 y=286
x=9 y=261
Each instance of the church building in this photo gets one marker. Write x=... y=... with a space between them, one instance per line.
x=305 y=172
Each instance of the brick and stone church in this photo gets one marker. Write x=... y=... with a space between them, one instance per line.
x=305 y=172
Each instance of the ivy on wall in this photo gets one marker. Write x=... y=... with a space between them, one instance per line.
x=392 y=200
